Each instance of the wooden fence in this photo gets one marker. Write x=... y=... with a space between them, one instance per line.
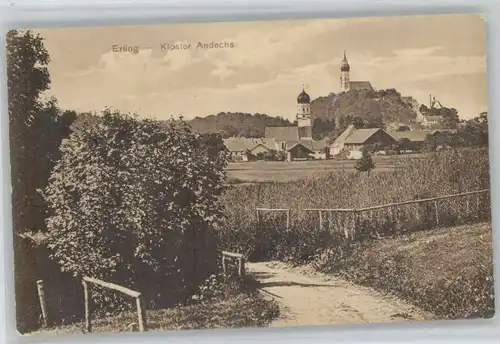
x=239 y=257
x=348 y=219
x=141 y=310
x=286 y=211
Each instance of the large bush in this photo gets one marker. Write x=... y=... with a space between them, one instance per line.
x=135 y=202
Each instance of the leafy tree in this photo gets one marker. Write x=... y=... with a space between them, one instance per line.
x=483 y=118
x=135 y=202
x=403 y=128
x=474 y=132
x=365 y=164
x=357 y=121
x=450 y=117
x=27 y=79
x=36 y=127
x=424 y=109
x=434 y=142
x=322 y=127
x=36 y=130
x=214 y=147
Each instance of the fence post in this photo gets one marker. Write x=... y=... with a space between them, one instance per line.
x=43 y=302
x=141 y=313
x=224 y=264
x=437 y=212
x=258 y=219
x=478 y=202
x=320 y=220
x=354 y=224
x=88 y=327
x=345 y=223
x=288 y=218
x=241 y=267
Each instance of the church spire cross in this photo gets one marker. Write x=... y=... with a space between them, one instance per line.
x=345 y=57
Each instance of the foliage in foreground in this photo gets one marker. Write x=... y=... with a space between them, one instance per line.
x=438 y=174
x=134 y=202
x=448 y=272
x=220 y=302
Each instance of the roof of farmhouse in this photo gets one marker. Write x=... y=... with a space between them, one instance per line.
x=241 y=144
x=415 y=136
x=361 y=135
x=342 y=137
x=312 y=145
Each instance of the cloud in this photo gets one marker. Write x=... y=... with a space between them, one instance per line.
x=180 y=59
x=416 y=53
x=270 y=45
x=263 y=72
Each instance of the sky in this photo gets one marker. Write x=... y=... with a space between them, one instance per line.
x=264 y=71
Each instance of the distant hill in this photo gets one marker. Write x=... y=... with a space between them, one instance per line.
x=230 y=124
x=330 y=114
x=368 y=108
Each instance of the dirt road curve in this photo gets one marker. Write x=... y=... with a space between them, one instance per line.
x=308 y=298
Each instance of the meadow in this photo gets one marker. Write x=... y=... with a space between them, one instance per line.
x=281 y=171
x=267 y=237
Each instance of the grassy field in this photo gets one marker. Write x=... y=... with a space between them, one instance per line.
x=447 y=271
x=432 y=176
x=281 y=171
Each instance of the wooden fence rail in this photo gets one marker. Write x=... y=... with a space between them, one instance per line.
x=285 y=210
x=239 y=257
x=141 y=310
x=435 y=200
x=353 y=213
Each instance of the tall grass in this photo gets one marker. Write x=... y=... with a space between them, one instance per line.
x=434 y=175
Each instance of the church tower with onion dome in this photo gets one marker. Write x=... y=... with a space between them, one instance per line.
x=344 y=75
x=304 y=116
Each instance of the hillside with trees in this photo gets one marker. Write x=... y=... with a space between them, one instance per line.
x=363 y=108
x=450 y=115
x=229 y=124
x=331 y=115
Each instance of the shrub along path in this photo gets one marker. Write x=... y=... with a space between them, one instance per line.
x=312 y=298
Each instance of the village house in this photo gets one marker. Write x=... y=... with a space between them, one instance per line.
x=241 y=148
x=352 y=142
x=417 y=137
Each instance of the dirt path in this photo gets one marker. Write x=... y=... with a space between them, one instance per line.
x=308 y=298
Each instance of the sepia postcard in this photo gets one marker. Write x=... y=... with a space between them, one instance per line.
x=250 y=174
